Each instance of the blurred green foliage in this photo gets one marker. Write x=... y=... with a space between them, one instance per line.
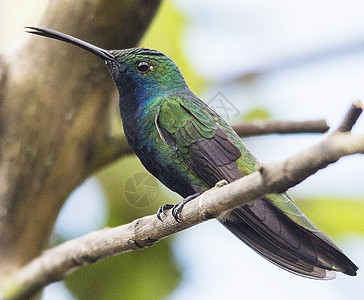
x=259 y=113
x=147 y=274
x=335 y=217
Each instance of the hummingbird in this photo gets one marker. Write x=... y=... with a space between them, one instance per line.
x=189 y=148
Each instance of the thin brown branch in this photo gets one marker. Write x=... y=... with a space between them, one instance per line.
x=118 y=146
x=55 y=264
x=255 y=128
x=351 y=117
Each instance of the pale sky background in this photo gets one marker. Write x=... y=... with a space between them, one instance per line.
x=224 y=39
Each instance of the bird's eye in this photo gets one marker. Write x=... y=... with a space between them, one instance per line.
x=143 y=66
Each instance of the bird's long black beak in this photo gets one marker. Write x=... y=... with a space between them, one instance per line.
x=104 y=54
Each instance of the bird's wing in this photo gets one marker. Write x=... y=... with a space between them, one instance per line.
x=199 y=142
x=273 y=226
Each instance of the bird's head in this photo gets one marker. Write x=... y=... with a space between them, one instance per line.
x=140 y=74
x=144 y=73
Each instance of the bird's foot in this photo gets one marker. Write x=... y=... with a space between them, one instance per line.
x=177 y=208
x=163 y=209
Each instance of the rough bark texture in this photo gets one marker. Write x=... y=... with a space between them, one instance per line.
x=54 y=118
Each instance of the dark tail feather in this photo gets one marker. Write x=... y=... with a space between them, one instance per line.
x=287 y=244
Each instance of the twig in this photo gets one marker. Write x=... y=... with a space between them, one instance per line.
x=55 y=264
x=351 y=117
x=254 y=128
x=119 y=146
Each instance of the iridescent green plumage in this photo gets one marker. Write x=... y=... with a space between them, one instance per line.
x=273 y=226
x=189 y=148
x=189 y=122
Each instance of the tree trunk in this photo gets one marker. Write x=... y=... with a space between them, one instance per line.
x=55 y=103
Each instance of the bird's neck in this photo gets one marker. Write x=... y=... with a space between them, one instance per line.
x=137 y=99
x=138 y=114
